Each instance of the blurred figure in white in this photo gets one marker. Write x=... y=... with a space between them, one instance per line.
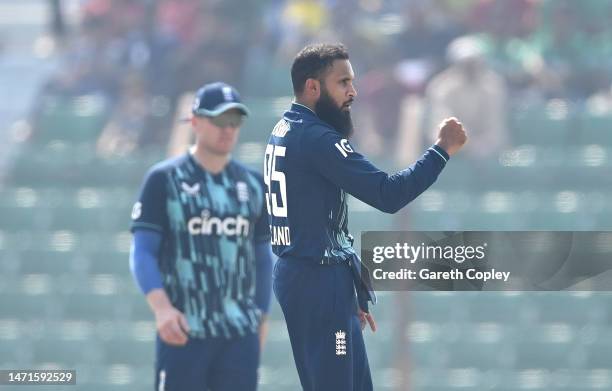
x=469 y=89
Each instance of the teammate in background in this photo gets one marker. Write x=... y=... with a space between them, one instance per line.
x=201 y=254
x=309 y=168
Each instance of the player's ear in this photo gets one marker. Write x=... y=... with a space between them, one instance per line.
x=312 y=88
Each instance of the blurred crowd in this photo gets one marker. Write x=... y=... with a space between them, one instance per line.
x=471 y=58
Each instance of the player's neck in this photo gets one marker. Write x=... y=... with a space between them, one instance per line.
x=302 y=102
x=210 y=162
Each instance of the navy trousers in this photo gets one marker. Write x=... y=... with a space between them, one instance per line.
x=213 y=364
x=320 y=309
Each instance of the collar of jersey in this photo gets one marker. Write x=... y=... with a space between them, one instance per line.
x=300 y=108
x=201 y=171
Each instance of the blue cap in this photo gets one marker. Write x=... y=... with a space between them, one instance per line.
x=216 y=98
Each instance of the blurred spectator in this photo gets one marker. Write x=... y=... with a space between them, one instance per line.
x=576 y=57
x=503 y=28
x=88 y=65
x=504 y=19
x=302 y=21
x=559 y=42
x=57 y=21
x=471 y=91
x=402 y=67
x=177 y=19
x=421 y=45
x=379 y=97
x=541 y=49
x=219 y=45
x=128 y=123
x=307 y=16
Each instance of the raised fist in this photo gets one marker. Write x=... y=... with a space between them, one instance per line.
x=451 y=135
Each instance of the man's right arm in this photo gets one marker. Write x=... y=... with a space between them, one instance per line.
x=336 y=160
x=149 y=222
x=171 y=323
x=144 y=260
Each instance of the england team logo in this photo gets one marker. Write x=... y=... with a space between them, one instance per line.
x=227 y=94
x=340 y=343
x=242 y=191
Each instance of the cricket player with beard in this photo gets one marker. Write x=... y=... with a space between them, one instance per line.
x=309 y=169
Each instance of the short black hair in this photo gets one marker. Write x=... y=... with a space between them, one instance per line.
x=312 y=61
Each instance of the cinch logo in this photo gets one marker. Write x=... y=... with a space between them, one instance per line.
x=229 y=226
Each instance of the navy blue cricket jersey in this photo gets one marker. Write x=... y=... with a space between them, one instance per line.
x=209 y=224
x=309 y=169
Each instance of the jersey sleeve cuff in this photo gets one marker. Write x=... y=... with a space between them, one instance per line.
x=440 y=152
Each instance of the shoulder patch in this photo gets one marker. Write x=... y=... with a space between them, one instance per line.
x=281 y=128
x=344 y=147
x=137 y=210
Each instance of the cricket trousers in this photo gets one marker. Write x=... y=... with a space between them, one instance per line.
x=211 y=364
x=320 y=309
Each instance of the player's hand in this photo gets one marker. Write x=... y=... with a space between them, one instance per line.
x=263 y=331
x=451 y=136
x=366 y=318
x=172 y=326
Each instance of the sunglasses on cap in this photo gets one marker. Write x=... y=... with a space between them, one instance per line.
x=231 y=119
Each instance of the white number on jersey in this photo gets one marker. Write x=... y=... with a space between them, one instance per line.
x=272 y=175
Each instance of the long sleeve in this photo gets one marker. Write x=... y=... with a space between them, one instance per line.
x=143 y=259
x=336 y=160
x=263 y=275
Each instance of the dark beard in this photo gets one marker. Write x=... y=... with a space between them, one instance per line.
x=328 y=111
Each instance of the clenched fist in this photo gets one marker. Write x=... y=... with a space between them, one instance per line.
x=451 y=136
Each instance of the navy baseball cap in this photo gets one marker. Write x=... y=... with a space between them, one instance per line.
x=216 y=98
